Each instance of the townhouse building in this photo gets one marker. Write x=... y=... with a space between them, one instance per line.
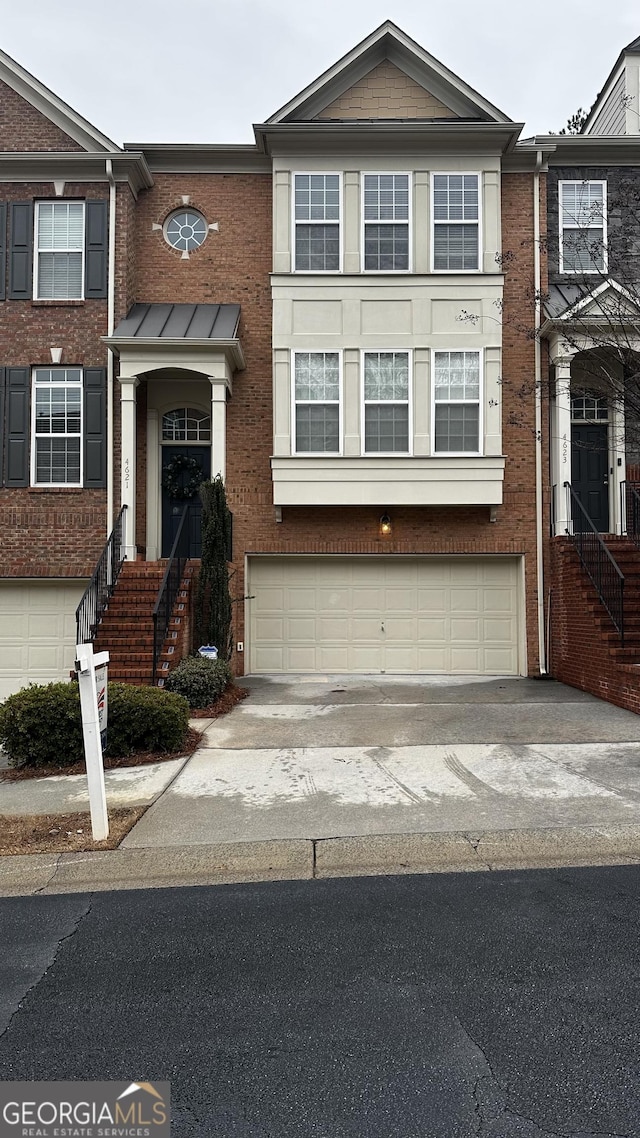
x=345 y=320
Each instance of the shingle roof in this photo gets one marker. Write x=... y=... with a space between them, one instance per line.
x=180 y=322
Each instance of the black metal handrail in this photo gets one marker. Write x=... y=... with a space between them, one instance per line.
x=100 y=588
x=168 y=590
x=632 y=512
x=599 y=563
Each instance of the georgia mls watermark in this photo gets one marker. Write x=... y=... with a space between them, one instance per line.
x=85 y=1110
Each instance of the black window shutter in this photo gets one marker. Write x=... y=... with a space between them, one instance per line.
x=3 y=255
x=95 y=427
x=2 y=424
x=96 y=242
x=20 y=250
x=17 y=445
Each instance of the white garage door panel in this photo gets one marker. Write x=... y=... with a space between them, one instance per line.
x=37 y=632
x=384 y=614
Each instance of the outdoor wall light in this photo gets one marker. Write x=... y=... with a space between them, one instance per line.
x=385 y=526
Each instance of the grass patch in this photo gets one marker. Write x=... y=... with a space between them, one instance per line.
x=63 y=833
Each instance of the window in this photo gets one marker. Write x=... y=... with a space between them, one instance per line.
x=317 y=402
x=186 y=425
x=582 y=227
x=456 y=385
x=386 y=222
x=59 y=260
x=386 y=402
x=185 y=230
x=588 y=407
x=57 y=427
x=456 y=222
x=317 y=222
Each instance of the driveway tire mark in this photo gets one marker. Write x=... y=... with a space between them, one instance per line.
x=480 y=789
x=376 y=755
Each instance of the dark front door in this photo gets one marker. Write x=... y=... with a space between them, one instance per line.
x=172 y=506
x=590 y=474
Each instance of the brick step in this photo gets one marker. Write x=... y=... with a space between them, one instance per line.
x=631 y=640
x=131 y=612
x=132 y=677
x=625 y=655
x=125 y=629
x=122 y=644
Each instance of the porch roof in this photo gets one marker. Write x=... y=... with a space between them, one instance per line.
x=194 y=337
x=203 y=322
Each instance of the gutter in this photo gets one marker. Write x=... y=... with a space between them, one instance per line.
x=542 y=652
x=111 y=310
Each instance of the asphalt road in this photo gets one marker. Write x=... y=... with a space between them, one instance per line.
x=442 y=1006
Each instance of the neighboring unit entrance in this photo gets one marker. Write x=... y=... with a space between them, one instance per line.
x=384 y=614
x=172 y=507
x=589 y=474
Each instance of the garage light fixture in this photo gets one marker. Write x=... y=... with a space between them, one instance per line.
x=385 y=526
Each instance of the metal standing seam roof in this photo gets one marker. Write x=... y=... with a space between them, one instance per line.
x=180 y=322
x=561 y=298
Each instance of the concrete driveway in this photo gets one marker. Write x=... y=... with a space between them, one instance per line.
x=321 y=757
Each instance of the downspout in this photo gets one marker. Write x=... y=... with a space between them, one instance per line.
x=542 y=654
x=111 y=310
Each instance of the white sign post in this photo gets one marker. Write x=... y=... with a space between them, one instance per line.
x=92 y=680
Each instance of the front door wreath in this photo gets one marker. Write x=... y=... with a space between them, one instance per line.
x=182 y=476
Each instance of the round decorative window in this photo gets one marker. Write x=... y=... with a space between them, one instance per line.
x=185 y=230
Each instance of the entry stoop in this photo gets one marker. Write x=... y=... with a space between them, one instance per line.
x=126 y=629
x=585 y=648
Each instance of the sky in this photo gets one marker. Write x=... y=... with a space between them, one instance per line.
x=204 y=71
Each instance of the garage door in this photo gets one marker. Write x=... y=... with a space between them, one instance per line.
x=37 y=631
x=384 y=614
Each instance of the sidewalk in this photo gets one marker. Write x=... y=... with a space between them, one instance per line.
x=315 y=777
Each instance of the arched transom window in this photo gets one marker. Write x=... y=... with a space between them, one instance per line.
x=587 y=407
x=186 y=425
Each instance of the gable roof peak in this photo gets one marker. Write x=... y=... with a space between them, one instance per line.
x=388 y=41
x=53 y=107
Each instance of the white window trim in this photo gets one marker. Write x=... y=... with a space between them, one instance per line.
x=457 y=453
x=450 y=173
x=561 y=227
x=294 y=402
x=363 y=223
x=32 y=464
x=36 y=252
x=363 y=403
x=294 y=223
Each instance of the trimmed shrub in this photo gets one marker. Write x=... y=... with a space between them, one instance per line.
x=145 y=719
x=41 y=725
x=200 y=681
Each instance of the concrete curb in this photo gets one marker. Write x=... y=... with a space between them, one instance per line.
x=317 y=858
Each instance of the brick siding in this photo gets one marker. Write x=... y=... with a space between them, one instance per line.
x=23 y=128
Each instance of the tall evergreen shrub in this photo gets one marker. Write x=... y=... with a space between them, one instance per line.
x=213 y=599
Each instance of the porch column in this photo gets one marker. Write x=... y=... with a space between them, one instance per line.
x=128 y=461
x=153 y=484
x=561 y=444
x=218 y=428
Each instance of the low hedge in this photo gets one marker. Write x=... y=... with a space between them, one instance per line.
x=200 y=681
x=41 y=725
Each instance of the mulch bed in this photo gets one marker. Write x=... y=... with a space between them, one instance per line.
x=224 y=704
